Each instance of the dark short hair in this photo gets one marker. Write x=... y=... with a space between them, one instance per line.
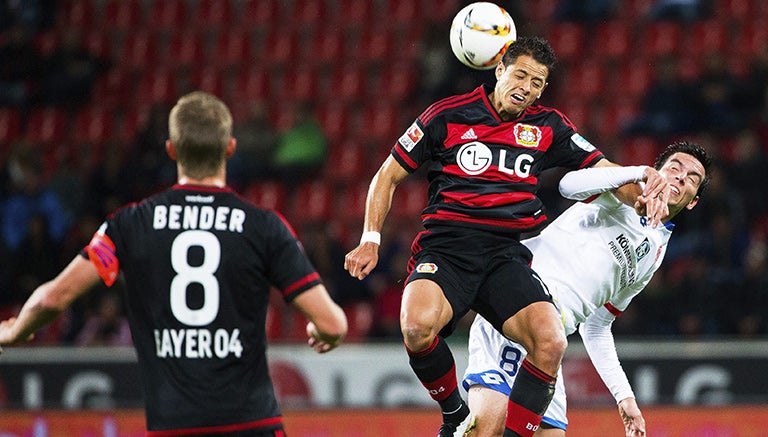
x=693 y=149
x=536 y=47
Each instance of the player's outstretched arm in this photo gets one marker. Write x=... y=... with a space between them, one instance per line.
x=362 y=259
x=327 y=322
x=634 y=423
x=48 y=301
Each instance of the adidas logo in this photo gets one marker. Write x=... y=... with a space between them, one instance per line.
x=469 y=135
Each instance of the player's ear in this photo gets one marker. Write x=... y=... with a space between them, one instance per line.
x=231 y=147
x=170 y=149
x=692 y=203
x=499 y=69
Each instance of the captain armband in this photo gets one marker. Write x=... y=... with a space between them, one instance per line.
x=101 y=252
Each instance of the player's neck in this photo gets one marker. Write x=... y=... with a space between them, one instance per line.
x=211 y=181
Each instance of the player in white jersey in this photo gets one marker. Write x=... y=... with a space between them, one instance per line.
x=594 y=258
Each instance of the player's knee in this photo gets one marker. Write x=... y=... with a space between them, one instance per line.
x=417 y=336
x=549 y=349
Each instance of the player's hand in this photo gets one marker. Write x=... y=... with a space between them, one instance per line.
x=652 y=203
x=634 y=423
x=6 y=336
x=361 y=260
x=318 y=342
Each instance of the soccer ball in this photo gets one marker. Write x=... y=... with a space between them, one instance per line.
x=480 y=34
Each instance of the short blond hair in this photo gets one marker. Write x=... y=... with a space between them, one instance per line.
x=200 y=127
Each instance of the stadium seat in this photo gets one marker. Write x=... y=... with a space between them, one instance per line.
x=632 y=78
x=185 y=48
x=585 y=80
x=93 y=125
x=373 y=44
x=46 y=126
x=334 y=119
x=567 y=39
x=156 y=85
x=139 y=50
x=252 y=82
x=308 y=14
x=10 y=127
x=614 y=39
x=739 y=10
x=298 y=84
x=166 y=14
x=639 y=151
x=267 y=194
x=350 y=207
x=231 y=47
x=347 y=162
x=312 y=202
x=705 y=37
x=401 y=12
x=347 y=83
x=212 y=14
x=76 y=14
x=98 y=43
x=356 y=12
x=122 y=15
x=394 y=83
x=380 y=123
x=208 y=78
x=114 y=87
x=660 y=38
x=259 y=13
x=327 y=47
x=751 y=38
x=279 y=47
x=410 y=199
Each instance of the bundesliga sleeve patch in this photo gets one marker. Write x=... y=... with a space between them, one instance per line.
x=101 y=252
x=412 y=136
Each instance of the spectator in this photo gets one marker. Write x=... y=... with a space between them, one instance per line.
x=667 y=107
x=107 y=325
x=70 y=72
x=680 y=10
x=714 y=98
x=256 y=141
x=20 y=66
x=301 y=149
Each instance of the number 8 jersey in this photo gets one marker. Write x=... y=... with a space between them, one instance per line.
x=199 y=264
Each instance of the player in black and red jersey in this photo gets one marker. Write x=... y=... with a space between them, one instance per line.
x=198 y=262
x=483 y=152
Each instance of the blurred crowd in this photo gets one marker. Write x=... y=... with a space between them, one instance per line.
x=715 y=278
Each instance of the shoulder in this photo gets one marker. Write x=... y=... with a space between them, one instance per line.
x=450 y=104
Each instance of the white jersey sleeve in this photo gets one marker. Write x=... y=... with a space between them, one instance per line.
x=601 y=348
x=581 y=184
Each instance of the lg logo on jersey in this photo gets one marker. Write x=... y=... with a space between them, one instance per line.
x=474 y=158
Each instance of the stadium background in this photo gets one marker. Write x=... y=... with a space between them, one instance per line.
x=364 y=69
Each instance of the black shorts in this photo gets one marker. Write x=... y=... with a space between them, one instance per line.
x=479 y=270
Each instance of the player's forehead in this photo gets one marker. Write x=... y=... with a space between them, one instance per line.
x=687 y=161
x=526 y=63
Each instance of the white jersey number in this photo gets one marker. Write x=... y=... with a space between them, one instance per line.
x=202 y=274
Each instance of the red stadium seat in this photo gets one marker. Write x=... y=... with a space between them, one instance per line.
x=213 y=13
x=267 y=194
x=139 y=50
x=351 y=203
x=347 y=162
x=10 y=127
x=706 y=37
x=259 y=13
x=308 y=14
x=232 y=47
x=752 y=38
x=208 y=78
x=98 y=43
x=410 y=199
x=114 y=87
x=298 y=84
x=312 y=202
x=374 y=44
x=356 y=12
x=614 y=39
x=660 y=38
x=185 y=48
x=399 y=12
x=252 y=82
x=567 y=39
x=334 y=120
x=327 y=47
x=633 y=78
x=122 y=15
x=585 y=80
x=380 y=122
x=76 y=14
x=279 y=47
x=157 y=85
x=394 y=83
x=167 y=14
x=348 y=83
x=46 y=126
x=740 y=10
x=93 y=125
x=639 y=151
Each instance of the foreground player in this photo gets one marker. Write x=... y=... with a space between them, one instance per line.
x=198 y=262
x=483 y=152
x=594 y=258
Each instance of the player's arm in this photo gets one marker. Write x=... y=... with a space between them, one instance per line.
x=49 y=300
x=327 y=322
x=361 y=260
x=601 y=348
x=648 y=199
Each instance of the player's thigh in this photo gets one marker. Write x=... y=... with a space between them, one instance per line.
x=490 y=409
x=424 y=305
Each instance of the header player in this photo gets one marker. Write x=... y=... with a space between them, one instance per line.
x=483 y=153
x=199 y=262
x=594 y=258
